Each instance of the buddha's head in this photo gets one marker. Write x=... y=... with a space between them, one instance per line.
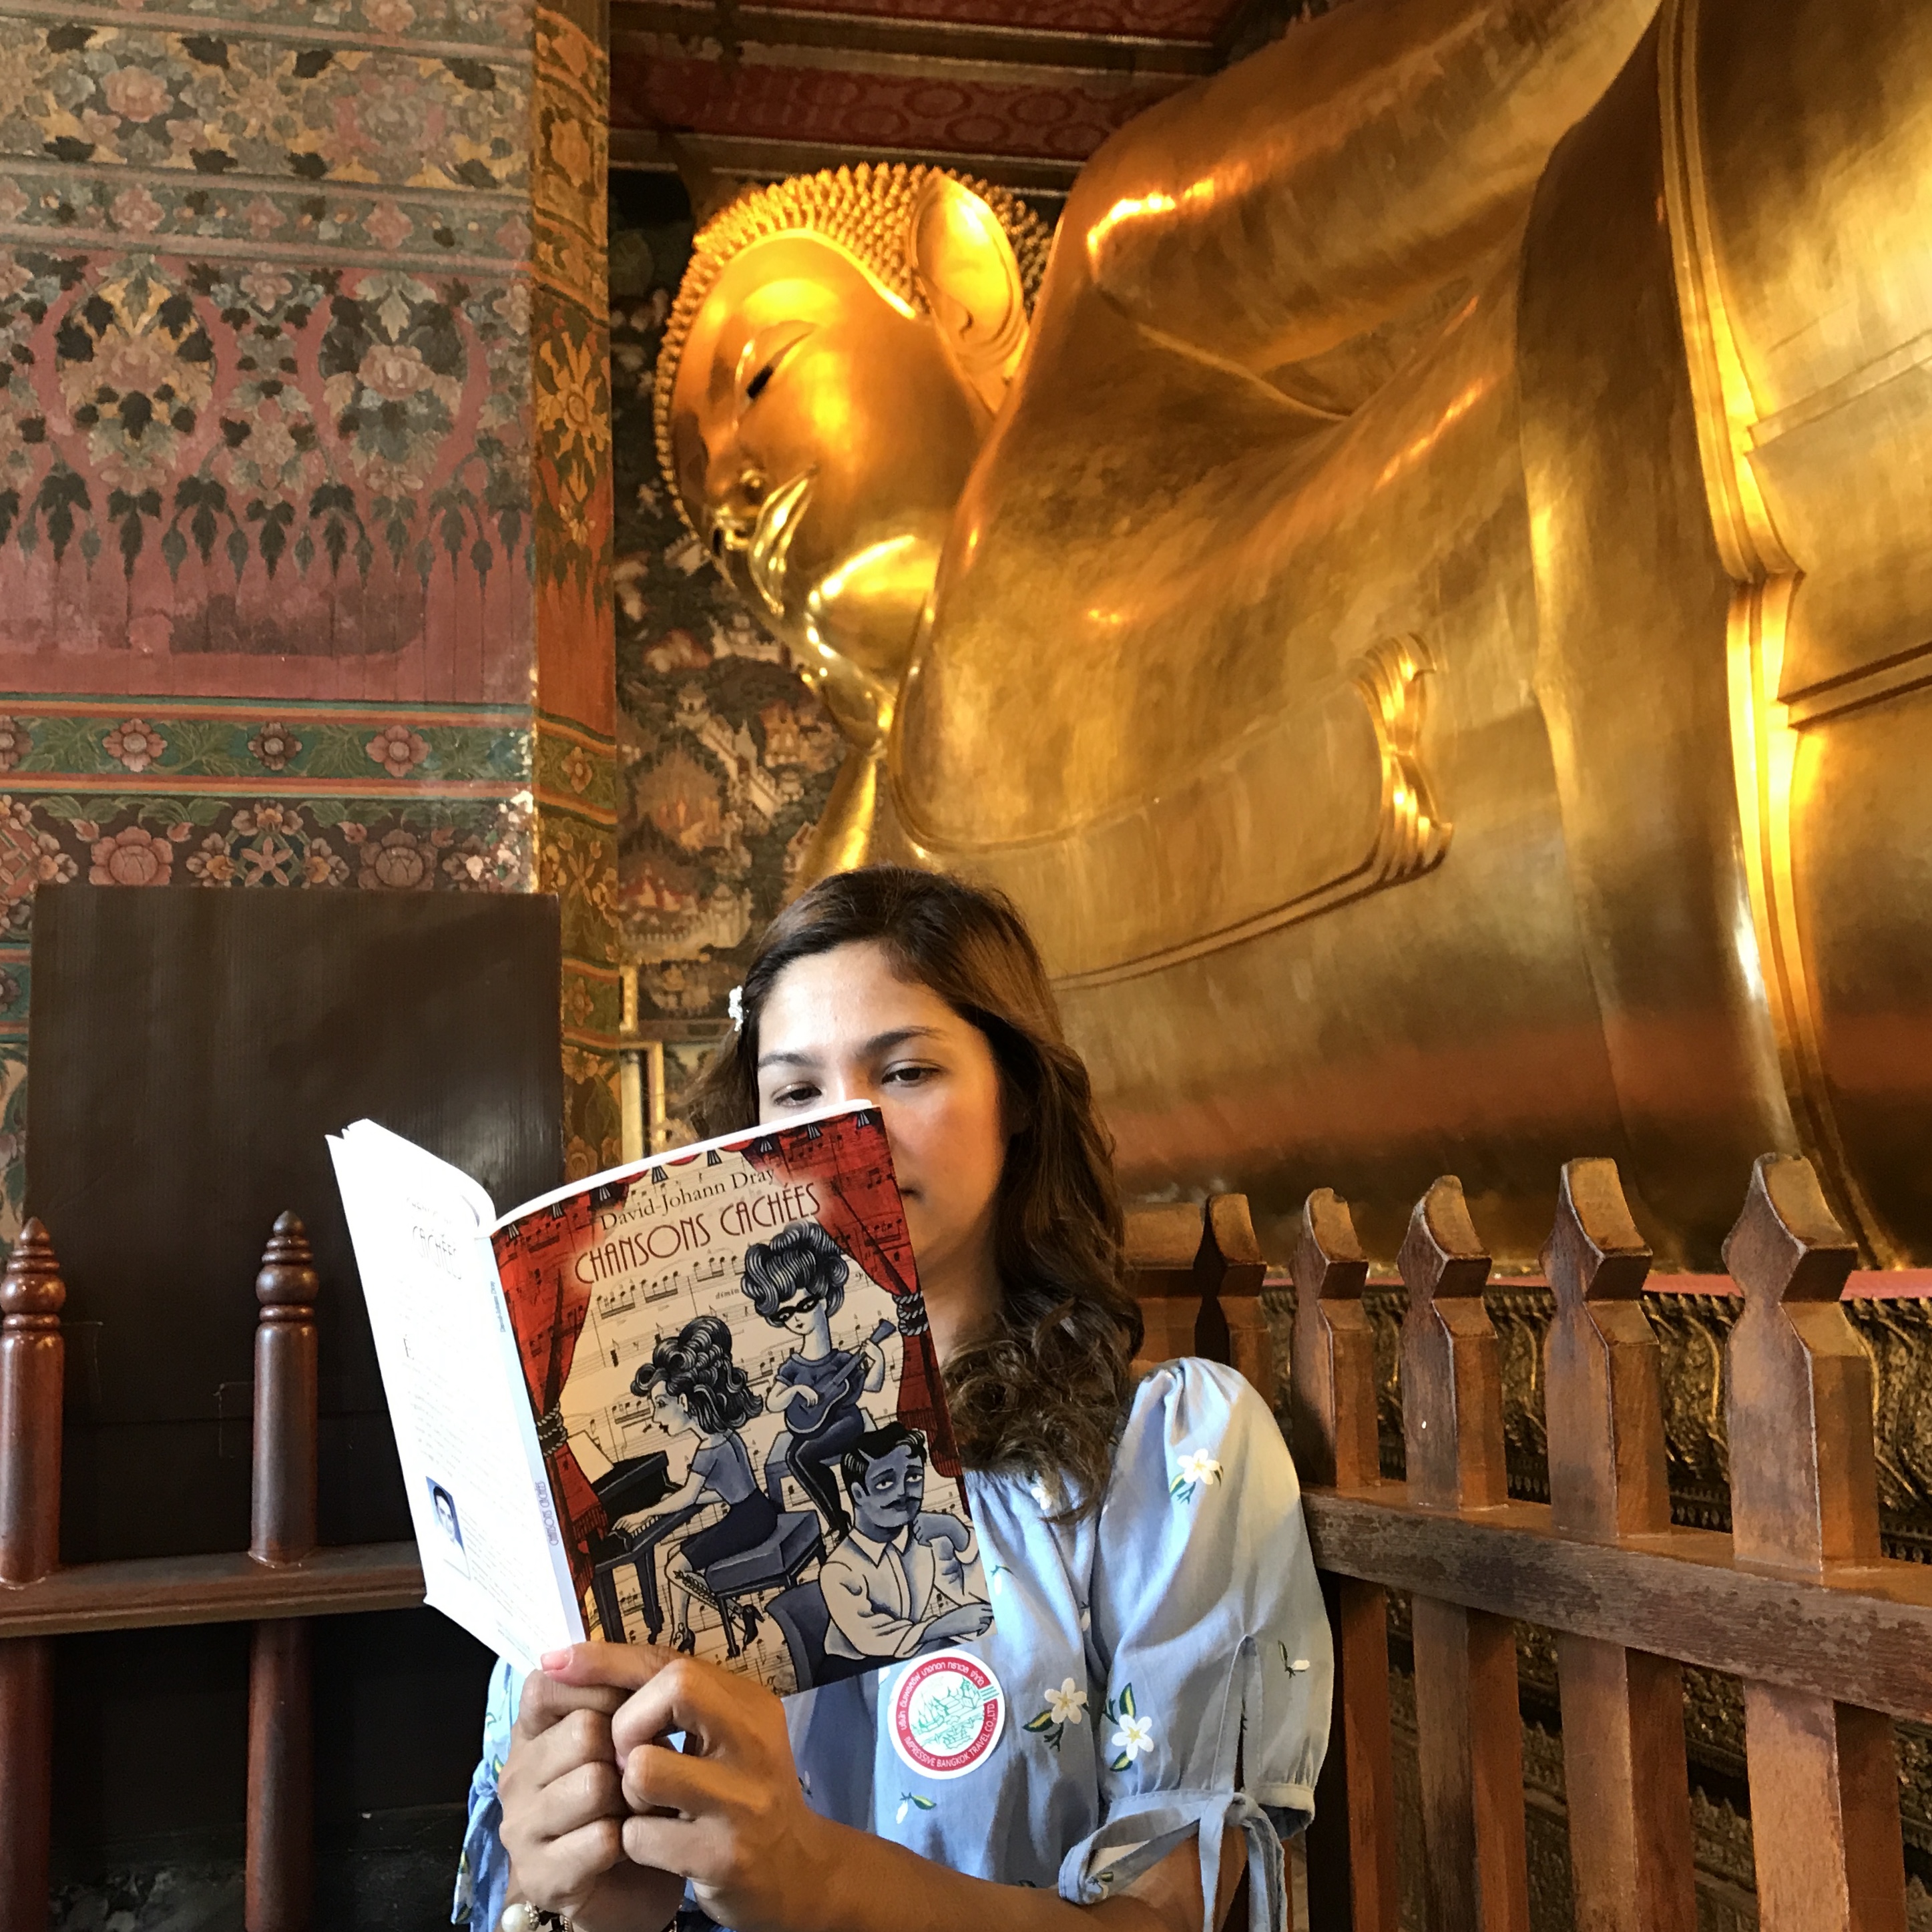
x=837 y=352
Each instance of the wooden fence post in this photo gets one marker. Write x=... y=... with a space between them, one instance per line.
x=1166 y=1240
x=1628 y=1783
x=281 y=1878
x=1824 y=1776
x=1351 y=1845
x=32 y=1365
x=1469 y=1730
x=1231 y=1259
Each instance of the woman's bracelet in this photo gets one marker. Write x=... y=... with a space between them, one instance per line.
x=521 y=1918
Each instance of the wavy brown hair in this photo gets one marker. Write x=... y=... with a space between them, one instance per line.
x=1044 y=1392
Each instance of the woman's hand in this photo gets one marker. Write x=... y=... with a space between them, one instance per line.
x=726 y=1812
x=563 y=1809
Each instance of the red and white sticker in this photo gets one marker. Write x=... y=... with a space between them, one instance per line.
x=945 y=1713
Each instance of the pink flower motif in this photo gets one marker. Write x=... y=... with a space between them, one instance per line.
x=397 y=749
x=513 y=238
x=136 y=744
x=266 y=287
x=12 y=201
x=263 y=217
x=388 y=16
x=98 y=127
x=393 y=371
x=131 y=858
x=135 y=94
x=321 y=866
x=136 y=210
x=15 y=743
x=399 y=863
x=389 y=225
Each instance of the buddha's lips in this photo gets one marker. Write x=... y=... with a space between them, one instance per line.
x=778 y=519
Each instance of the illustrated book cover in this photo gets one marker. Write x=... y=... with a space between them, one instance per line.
x=691 y=1401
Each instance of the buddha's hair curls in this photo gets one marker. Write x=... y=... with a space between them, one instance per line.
x=1044 y=1392
x=867 y=212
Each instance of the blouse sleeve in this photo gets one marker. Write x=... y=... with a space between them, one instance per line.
x=483 y=1875
x=1209 y=1634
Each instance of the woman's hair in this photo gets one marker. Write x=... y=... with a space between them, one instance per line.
x=695 y=1366
x=801 y=1266
x=1044 y=1391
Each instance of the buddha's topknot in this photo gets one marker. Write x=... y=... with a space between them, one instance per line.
x=866 y=210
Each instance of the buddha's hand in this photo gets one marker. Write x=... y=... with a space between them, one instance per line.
x=564 y=1809
x=725 y=1812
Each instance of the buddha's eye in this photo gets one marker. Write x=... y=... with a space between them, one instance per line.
x=755 y=388
x=764 y=355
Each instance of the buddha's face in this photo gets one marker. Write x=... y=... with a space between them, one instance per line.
x=822 y=437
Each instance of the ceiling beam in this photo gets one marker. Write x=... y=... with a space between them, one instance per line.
x=745 y=158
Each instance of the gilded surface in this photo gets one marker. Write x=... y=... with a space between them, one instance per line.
x=1570 y=360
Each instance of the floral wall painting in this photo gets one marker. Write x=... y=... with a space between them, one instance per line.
x=301 y=340
x=724 y=758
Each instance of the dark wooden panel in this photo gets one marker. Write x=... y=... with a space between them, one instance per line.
x=191 y=1049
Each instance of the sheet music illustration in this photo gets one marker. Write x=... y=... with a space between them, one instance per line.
x=738 y=1407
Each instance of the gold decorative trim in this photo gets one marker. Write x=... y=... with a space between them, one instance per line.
x=1764 y=730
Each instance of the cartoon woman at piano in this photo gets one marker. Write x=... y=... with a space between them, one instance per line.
x=695 y=1388
x=796 y=1281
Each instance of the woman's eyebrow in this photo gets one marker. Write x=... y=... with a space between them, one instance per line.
x=884 y=1043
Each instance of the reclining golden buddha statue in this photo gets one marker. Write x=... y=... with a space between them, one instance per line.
x=1424 y=595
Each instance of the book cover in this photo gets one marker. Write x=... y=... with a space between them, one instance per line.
x=739 y=1407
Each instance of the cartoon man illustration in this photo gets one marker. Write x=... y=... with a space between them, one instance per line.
x=897 y=1583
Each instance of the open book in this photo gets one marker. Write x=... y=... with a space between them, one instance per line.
x=690 y=1401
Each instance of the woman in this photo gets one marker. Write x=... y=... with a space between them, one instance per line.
x=695 y=1388
x=1159 y=1638
x=796 y=1281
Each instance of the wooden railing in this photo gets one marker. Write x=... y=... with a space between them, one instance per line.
x=279 y=1582
x=1831 y=1640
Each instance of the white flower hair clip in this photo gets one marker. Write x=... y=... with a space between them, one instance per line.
x=734 y=1005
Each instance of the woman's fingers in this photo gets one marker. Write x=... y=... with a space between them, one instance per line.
x=605 y=1666
x=547 y=1700
x=578 y=1738
x=561 y=1873
x=656 y=1778
x=710 y=1706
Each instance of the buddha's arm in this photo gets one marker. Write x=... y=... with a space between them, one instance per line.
x=1328 y=181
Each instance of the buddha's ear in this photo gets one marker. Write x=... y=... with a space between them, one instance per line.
x=965 y=269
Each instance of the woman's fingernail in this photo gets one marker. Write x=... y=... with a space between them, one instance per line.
x=553 y=1660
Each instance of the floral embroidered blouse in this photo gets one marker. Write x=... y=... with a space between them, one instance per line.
x=1165 y=1664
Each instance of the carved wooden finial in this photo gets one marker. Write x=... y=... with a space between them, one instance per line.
x=1232 y=1272
x=1328 y=1264
x=1452 y=1390
x=1798 y=1383
x=32 y=1291
x=1602 y=1376
x=1594 y=1252
x=1787 y=1245
x=1440 y=1258
x=1334 y=1370
x=287 y=1284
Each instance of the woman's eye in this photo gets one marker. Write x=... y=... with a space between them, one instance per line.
x=793 y=1096
x=910 y=1076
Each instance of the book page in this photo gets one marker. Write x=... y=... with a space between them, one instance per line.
x=740 y=1407
x=479 y=1496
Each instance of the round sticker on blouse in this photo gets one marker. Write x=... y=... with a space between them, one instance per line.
x=945 y=1713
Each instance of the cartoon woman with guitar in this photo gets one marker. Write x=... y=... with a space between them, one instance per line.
x=796 y=1281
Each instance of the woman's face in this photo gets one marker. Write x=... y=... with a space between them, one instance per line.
x=670 y=1415
x=843 y=1026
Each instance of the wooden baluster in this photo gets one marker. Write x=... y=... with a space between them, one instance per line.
x=1824 y=1776
x=280 y=1879
x=1351 y=1862
x=1628 y=1786
x=1163 y=1244
x=31 y=1367
x=1230 y=1251
x=1470 y=1733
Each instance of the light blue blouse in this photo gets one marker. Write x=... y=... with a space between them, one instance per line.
x=1166 y=1666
